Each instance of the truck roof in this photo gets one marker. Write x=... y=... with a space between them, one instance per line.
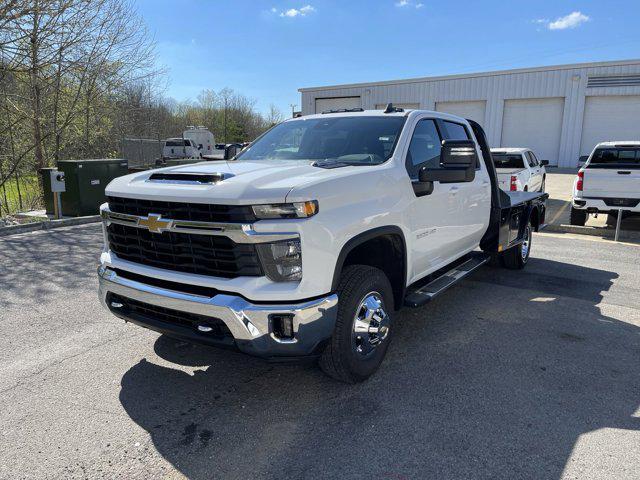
x=619 y=143
x=378 y=113
x=510 y=150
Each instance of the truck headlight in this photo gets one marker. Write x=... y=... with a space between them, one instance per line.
x=286 y=210
x=281 y=261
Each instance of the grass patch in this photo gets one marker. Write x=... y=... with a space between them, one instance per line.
x=28 y=192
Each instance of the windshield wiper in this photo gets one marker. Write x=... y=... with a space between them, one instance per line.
x=329 y=163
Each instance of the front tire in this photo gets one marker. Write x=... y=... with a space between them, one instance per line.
x=363 y=326
x=578 y=217
x=516 y=258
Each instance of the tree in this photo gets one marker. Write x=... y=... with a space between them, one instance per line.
x=66 y=57
x=274 y=116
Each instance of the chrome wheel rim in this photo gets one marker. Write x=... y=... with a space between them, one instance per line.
x=526 y=244
x=370 y=324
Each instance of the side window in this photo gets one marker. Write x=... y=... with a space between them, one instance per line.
x=535 y=159
x=424 y=148
x=455 y=131
x=530 y=159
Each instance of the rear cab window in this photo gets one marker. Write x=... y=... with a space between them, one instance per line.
x=507 y=160
x=455 y=131
x=627 y=157
x=177 y=143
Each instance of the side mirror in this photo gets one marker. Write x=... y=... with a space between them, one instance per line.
x=230 y=151
x=544 y=163
x=583 y=159
x=200 y=147
x=458 y=160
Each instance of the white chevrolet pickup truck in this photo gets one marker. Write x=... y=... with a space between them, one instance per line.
x=519 y=169
x=608 y=182
x=307 y=242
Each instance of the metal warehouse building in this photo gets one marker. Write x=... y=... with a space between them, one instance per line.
x=560 y=112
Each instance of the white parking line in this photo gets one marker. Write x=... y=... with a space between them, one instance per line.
x=591 y=238
x=560 y=212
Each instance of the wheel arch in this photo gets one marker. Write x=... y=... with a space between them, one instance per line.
x=377 y=240
x=536 y=216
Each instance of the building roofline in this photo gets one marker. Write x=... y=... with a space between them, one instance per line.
x=473 y=75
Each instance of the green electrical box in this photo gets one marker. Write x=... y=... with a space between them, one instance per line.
x=85 y=181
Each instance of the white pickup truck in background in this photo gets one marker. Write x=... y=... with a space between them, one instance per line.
x=180 y=148
x=608 y=182
x=519 y=170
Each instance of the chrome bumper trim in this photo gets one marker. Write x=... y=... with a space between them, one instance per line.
x=239 y=233
x=250 y=324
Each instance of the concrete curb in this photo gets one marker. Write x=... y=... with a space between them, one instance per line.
x=593 y=231
x=32 y=227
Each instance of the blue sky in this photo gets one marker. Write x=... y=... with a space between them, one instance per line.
x=268 y=49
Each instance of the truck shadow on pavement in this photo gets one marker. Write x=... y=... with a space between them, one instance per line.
x=497 y=378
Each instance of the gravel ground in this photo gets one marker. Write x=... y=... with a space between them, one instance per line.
x=532 y=374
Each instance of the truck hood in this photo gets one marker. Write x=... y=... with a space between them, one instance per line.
x=244 y=182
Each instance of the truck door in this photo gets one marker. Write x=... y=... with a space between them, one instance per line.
x=432 y=211
x=468 y=202
x=536 y=172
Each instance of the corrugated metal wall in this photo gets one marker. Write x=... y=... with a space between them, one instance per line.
x=567 y=82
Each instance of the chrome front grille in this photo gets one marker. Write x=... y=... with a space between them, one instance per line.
x=198 y=212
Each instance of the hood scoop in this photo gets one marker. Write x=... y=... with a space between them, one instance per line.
x=189 y=178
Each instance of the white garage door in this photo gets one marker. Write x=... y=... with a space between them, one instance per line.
x=609 y=119
x=326 y=104
x=534 y=123
x=469 y=110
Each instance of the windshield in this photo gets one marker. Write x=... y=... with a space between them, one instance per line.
x=616 y=156
x=350 y=140
x=507 y=160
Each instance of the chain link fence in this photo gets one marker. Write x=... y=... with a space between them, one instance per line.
x=141 y=152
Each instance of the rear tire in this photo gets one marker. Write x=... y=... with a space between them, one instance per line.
x=578 y=217
x=363 y=326
x=516 y=258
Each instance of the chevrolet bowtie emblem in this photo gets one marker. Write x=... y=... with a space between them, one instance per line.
x=155 y=223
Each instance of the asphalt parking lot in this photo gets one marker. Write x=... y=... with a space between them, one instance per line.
x=532 y=374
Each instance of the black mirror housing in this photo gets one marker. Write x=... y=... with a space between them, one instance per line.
x=230 y=151
x=458 y=153
x=458 y=160
x=544 y=163
x=447 y=175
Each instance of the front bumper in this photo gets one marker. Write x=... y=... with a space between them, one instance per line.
x=251 y=325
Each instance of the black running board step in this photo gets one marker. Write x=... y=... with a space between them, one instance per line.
x=428 y=292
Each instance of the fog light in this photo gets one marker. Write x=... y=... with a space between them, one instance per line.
x=282 y=326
